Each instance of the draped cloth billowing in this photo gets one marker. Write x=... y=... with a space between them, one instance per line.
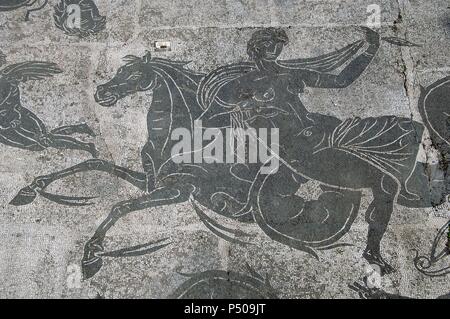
x=388 y=143
x=214 y=81
x=325 y=63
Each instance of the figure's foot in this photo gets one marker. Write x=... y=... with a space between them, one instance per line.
x=374 y=258
x=92 y=263
x=25 y=196
x=90 y=267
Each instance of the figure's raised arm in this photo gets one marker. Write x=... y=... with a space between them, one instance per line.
x=352 y=71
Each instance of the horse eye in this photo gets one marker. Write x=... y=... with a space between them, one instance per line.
x=134 y=77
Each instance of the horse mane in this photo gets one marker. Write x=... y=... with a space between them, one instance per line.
x=177 y=95
x=215 y=80
x=167 y=66
x=180 y=66
x=131 y=59
x=34 y=70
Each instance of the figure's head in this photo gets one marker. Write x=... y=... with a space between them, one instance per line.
x=267 y=44
x=135 y=76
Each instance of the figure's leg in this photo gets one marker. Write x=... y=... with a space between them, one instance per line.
x=378 y=215
x=74 y=129
x=66 y=142
x=425 y=187
x=28 y=194
x=92 y=262
x=148 y=164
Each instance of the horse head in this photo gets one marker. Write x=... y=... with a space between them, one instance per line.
x=133 y=77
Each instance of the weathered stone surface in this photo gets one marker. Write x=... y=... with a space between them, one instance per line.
x=43 y=243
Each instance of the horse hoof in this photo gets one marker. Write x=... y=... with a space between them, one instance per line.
x=91 y=262
x=25 y=196
x=90 y=267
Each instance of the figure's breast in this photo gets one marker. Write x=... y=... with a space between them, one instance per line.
x=254 y=97
x=267 y=95
x=266 y=88
x=255 y=88
x=263 y=100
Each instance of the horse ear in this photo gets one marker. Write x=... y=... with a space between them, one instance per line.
x=147 y=56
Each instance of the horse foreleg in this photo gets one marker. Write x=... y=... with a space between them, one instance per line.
x=92 y=261
x=74 y=129
x=148 y=157
x=29 y=193
x=378 y=215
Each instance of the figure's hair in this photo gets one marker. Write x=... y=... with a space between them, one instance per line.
x=91 y=20
x=260 y=37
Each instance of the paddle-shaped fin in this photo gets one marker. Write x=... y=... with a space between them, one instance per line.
x=137 y=250
x=400 y=42
x=67 y=200
x=216 y=228
x=336 y=246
